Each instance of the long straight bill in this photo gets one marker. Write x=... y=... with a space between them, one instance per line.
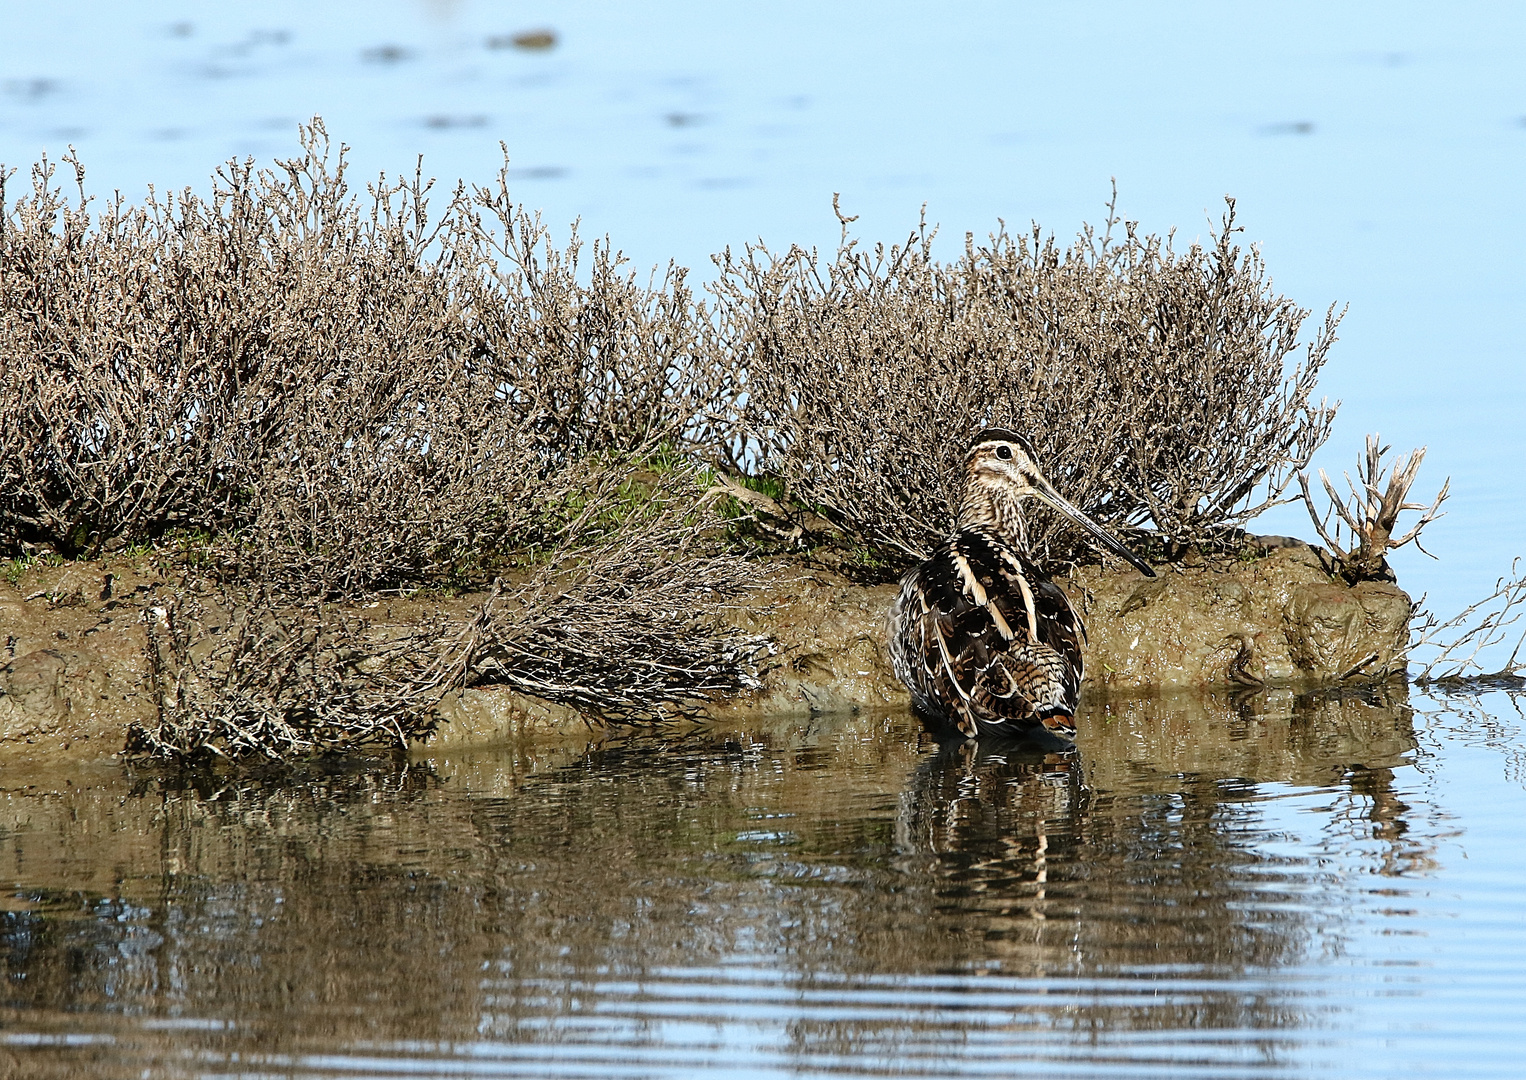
x=1103 y=537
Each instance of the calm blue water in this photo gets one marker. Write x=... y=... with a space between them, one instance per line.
x=1207 y=893
x=1271 y=888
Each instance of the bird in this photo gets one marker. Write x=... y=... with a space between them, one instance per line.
x=980 y=635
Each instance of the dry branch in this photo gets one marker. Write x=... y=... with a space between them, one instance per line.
x=631 y=629
x=1453 y=646
x=1366 y=520
x=257 y=678
x=629 y=632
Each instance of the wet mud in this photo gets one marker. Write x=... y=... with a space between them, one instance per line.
x=74 y=673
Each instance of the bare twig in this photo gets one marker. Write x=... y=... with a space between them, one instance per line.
x=1363 y=532
x=1454 y=645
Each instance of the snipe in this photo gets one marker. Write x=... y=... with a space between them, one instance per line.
x=978 y=632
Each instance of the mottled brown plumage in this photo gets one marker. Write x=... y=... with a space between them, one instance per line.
x=978 y=633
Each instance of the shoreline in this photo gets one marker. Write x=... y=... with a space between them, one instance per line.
x=74 y=672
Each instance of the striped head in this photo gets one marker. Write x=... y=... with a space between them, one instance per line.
x=1000 y=471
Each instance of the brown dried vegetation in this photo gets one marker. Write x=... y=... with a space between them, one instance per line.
x=1155 y=385
x=1456 y=650
x=306 y=395
x=345 y=398
x=630 y=630
x=255 y=676
x=627 y=630
x=1366 y=522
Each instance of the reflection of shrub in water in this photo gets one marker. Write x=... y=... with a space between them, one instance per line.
x=1459 y=708
x=1044 y=878
x=1146 y=846
x=520 y=886
x=261 y=892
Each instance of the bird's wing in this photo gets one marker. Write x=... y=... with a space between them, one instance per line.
x=1014 y=643
x=981 y=637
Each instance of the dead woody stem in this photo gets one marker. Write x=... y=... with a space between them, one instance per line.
x=1451 y=649
x=1366 y=520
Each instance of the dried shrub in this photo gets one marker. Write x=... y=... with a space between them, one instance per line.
x=1366 y=527
x=1370 y=514
x=321 y=393
x=629 y=630
x=107 y=428
x=345 y=392
x=602 y=366
x=1155 y=385
x=263 y=679
x=1451 y=650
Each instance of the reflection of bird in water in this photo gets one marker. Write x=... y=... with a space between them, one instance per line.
x=979 y=634
x=997 y=818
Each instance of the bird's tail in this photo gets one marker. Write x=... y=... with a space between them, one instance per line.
x=1060 y=723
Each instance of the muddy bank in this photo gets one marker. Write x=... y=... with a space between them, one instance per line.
x=73 y=670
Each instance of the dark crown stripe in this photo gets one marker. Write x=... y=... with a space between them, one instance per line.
x=996 y=434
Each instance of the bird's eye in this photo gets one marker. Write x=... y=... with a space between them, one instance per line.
x=1004 y=452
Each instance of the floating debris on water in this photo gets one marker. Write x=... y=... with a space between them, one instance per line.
x=529 y=40
x=443 y=122
x=34 y=89
x=386 y=54
x=1290 y=127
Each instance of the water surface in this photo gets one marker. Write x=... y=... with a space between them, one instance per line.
x=1208 y=887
